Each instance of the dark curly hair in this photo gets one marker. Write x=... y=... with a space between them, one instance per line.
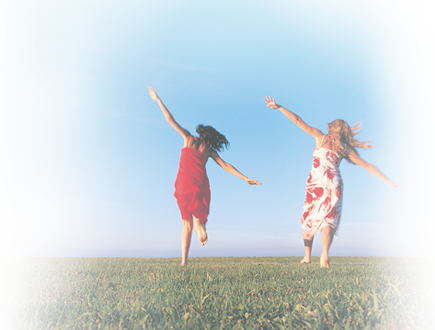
x=208 y=135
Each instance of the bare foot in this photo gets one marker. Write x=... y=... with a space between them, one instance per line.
x=200 y=230
x=324 y=262
x=306 y=260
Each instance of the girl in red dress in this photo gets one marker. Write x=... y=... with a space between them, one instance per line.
x=324 y=190
x=192 y=189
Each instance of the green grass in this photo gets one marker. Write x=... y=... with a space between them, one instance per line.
x=219 y=293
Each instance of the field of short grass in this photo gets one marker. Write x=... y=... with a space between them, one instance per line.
x=218 y=293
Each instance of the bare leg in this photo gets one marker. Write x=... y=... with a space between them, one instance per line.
x=308 y=243
x=200 y=230
x=186 y=236
x=327 y=238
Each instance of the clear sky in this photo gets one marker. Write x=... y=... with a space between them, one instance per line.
x=88 y=161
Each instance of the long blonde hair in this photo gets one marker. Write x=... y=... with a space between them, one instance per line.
x=343 y=138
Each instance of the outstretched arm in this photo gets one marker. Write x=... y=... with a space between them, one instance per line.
x=231 y=169
x=353 y=156
x=171 y=120
x=314 y=132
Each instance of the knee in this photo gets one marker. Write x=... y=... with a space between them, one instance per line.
x=328 y=230
x=187 y=225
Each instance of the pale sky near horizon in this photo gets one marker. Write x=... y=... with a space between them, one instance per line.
x=88 y=161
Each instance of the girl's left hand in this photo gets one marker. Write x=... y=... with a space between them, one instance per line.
x=252 y=182
x=396 y=186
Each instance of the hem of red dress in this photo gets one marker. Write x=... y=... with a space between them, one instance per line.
x=192 y=214
x=202 y=220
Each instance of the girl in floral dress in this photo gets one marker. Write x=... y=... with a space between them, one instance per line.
x=324 y=190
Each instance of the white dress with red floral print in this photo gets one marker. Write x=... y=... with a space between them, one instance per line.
x=323 y=194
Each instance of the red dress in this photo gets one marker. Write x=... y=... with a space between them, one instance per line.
x=192 y=188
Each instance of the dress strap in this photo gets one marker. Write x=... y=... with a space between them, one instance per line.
x=191 y=137
x=321 y=141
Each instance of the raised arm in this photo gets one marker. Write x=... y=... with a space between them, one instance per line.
x=231 y=169
x=171 y=120
x=314 y=132
x=353 y=156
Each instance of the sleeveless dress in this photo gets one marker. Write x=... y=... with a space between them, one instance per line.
x=192 y=188
x=323 y=194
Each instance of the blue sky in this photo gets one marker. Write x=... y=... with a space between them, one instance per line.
x=89 y=161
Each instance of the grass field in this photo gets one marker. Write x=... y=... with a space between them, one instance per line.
x=217 y=293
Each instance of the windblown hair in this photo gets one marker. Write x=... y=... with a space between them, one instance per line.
x=343 y=138
x=208 y=135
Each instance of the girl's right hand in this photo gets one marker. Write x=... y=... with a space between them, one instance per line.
x=271 y=102
x=153 y=94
